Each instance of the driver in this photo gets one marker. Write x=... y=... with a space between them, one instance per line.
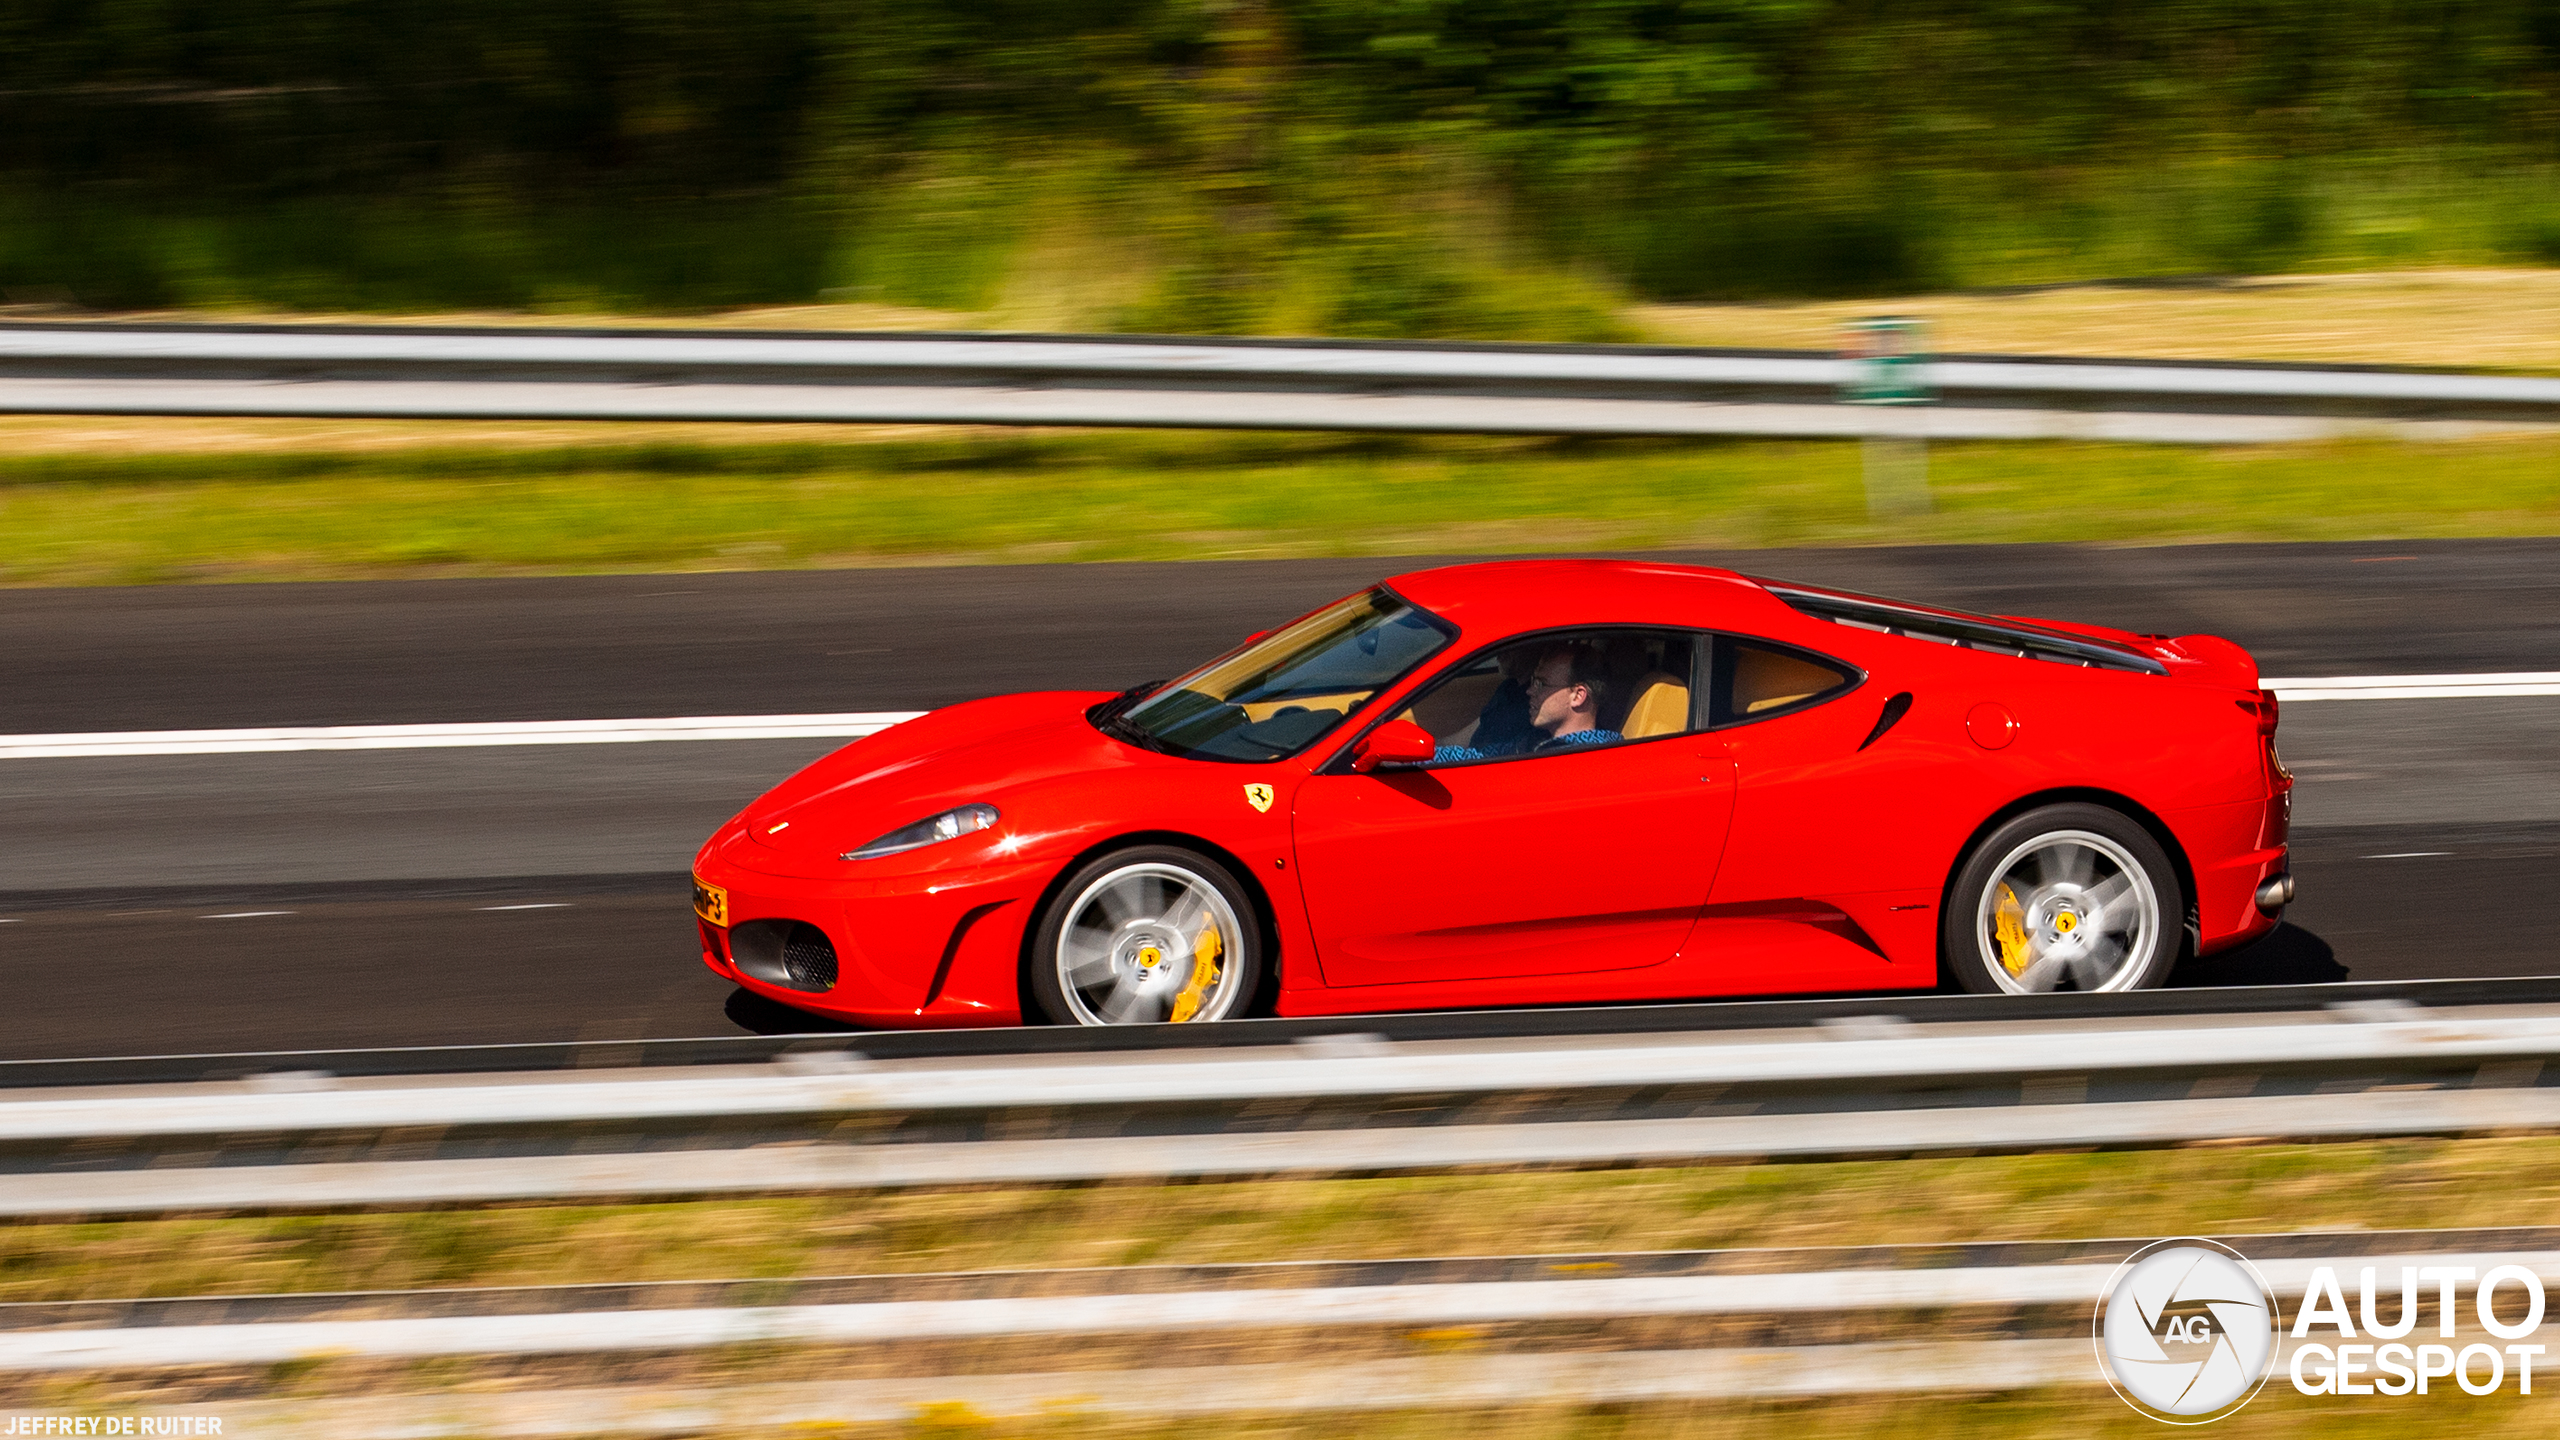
x=1565 y=693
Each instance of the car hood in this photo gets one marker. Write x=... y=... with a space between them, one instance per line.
x=982 y=751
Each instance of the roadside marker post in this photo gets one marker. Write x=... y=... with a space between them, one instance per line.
x=1891 y=370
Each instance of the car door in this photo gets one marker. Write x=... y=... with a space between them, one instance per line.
x=1823 y=885
x=1567 y=860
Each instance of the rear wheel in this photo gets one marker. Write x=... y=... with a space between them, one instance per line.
x=2068 y=897
x=1154 y=934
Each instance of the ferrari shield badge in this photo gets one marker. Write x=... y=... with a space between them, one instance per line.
x=1258 y=796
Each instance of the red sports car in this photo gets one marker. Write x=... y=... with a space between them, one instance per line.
x=1530 y=782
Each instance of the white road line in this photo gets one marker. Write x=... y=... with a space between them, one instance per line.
x=546 y=905
x=854 y=724
x=245 y=915
x=434 y=737
x=2415 y=687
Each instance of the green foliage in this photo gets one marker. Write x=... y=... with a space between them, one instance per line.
x=323 y=253
x=1393 y=167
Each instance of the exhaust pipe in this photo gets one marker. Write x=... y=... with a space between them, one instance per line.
x=2276 y=894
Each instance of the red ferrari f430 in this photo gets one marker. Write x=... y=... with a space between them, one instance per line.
x=1530 y=782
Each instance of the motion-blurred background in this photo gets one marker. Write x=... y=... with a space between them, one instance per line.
x=2347 y=182
x=1416 y=168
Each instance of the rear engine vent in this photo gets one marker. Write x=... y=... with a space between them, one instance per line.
x=791 y=953
x=1971 y=632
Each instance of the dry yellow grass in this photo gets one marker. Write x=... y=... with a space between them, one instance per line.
x=2276 y=1414
x=2472 y=319
x=2240 y=1190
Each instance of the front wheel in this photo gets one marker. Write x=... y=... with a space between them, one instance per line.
x=2069 y=897
x=1149 y=935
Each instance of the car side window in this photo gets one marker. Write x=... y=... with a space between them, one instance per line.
x=1561 y=691
x=1755 y=679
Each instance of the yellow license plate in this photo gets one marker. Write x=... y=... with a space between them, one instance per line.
x=711 y=903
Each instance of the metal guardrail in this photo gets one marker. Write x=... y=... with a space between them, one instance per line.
x=455 y=373
x=629 y=1057
x=1881 y=1054
x=1635 y=1328
x=1576 y=1288
x=815 y=1121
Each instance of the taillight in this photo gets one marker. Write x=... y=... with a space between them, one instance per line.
x=2264 y=707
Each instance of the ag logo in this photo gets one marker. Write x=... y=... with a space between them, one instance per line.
x=1258 y=796
x=2186 y=1331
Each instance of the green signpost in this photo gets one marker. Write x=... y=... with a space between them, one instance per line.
x=1892 y=369
x=1890 y=366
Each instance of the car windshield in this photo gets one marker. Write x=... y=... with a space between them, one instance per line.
x=1282 y=692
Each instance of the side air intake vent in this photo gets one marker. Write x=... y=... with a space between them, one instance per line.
x=791 y=953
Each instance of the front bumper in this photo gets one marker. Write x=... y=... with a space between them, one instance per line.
x=917 y=951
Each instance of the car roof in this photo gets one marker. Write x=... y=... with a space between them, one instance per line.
x=1502 y=597
x=1506 y=597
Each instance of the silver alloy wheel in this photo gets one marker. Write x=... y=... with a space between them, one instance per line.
x=1132 y=947
x=2067 y=905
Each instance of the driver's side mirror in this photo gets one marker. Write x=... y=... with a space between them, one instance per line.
x=1398 y=742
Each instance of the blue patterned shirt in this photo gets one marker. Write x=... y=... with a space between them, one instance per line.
x=1559 y=742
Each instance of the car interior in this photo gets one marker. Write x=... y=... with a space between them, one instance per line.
x=1647 y=693
x=1766 y=680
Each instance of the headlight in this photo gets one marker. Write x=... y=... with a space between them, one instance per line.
x=933 y=830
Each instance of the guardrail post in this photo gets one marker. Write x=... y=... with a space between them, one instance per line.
x=1891 y=370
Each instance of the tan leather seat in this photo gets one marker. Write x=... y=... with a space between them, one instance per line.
x=1661 y=707
x=1451 y=709
x=1765 y=680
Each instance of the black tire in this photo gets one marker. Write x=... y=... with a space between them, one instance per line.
x=1106 y=917
x=2093 y=905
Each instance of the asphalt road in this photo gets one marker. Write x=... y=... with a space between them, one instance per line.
x=394 y=865
x=205 y=656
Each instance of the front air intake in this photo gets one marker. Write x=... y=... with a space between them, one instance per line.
x=791 y=953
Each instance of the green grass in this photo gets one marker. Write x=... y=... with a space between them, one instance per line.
x=103 y=518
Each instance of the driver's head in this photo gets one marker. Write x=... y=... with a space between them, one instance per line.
x=1565 y=690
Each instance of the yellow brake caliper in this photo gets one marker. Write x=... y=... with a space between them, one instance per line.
x=1204 y=973
x=2009 y=927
